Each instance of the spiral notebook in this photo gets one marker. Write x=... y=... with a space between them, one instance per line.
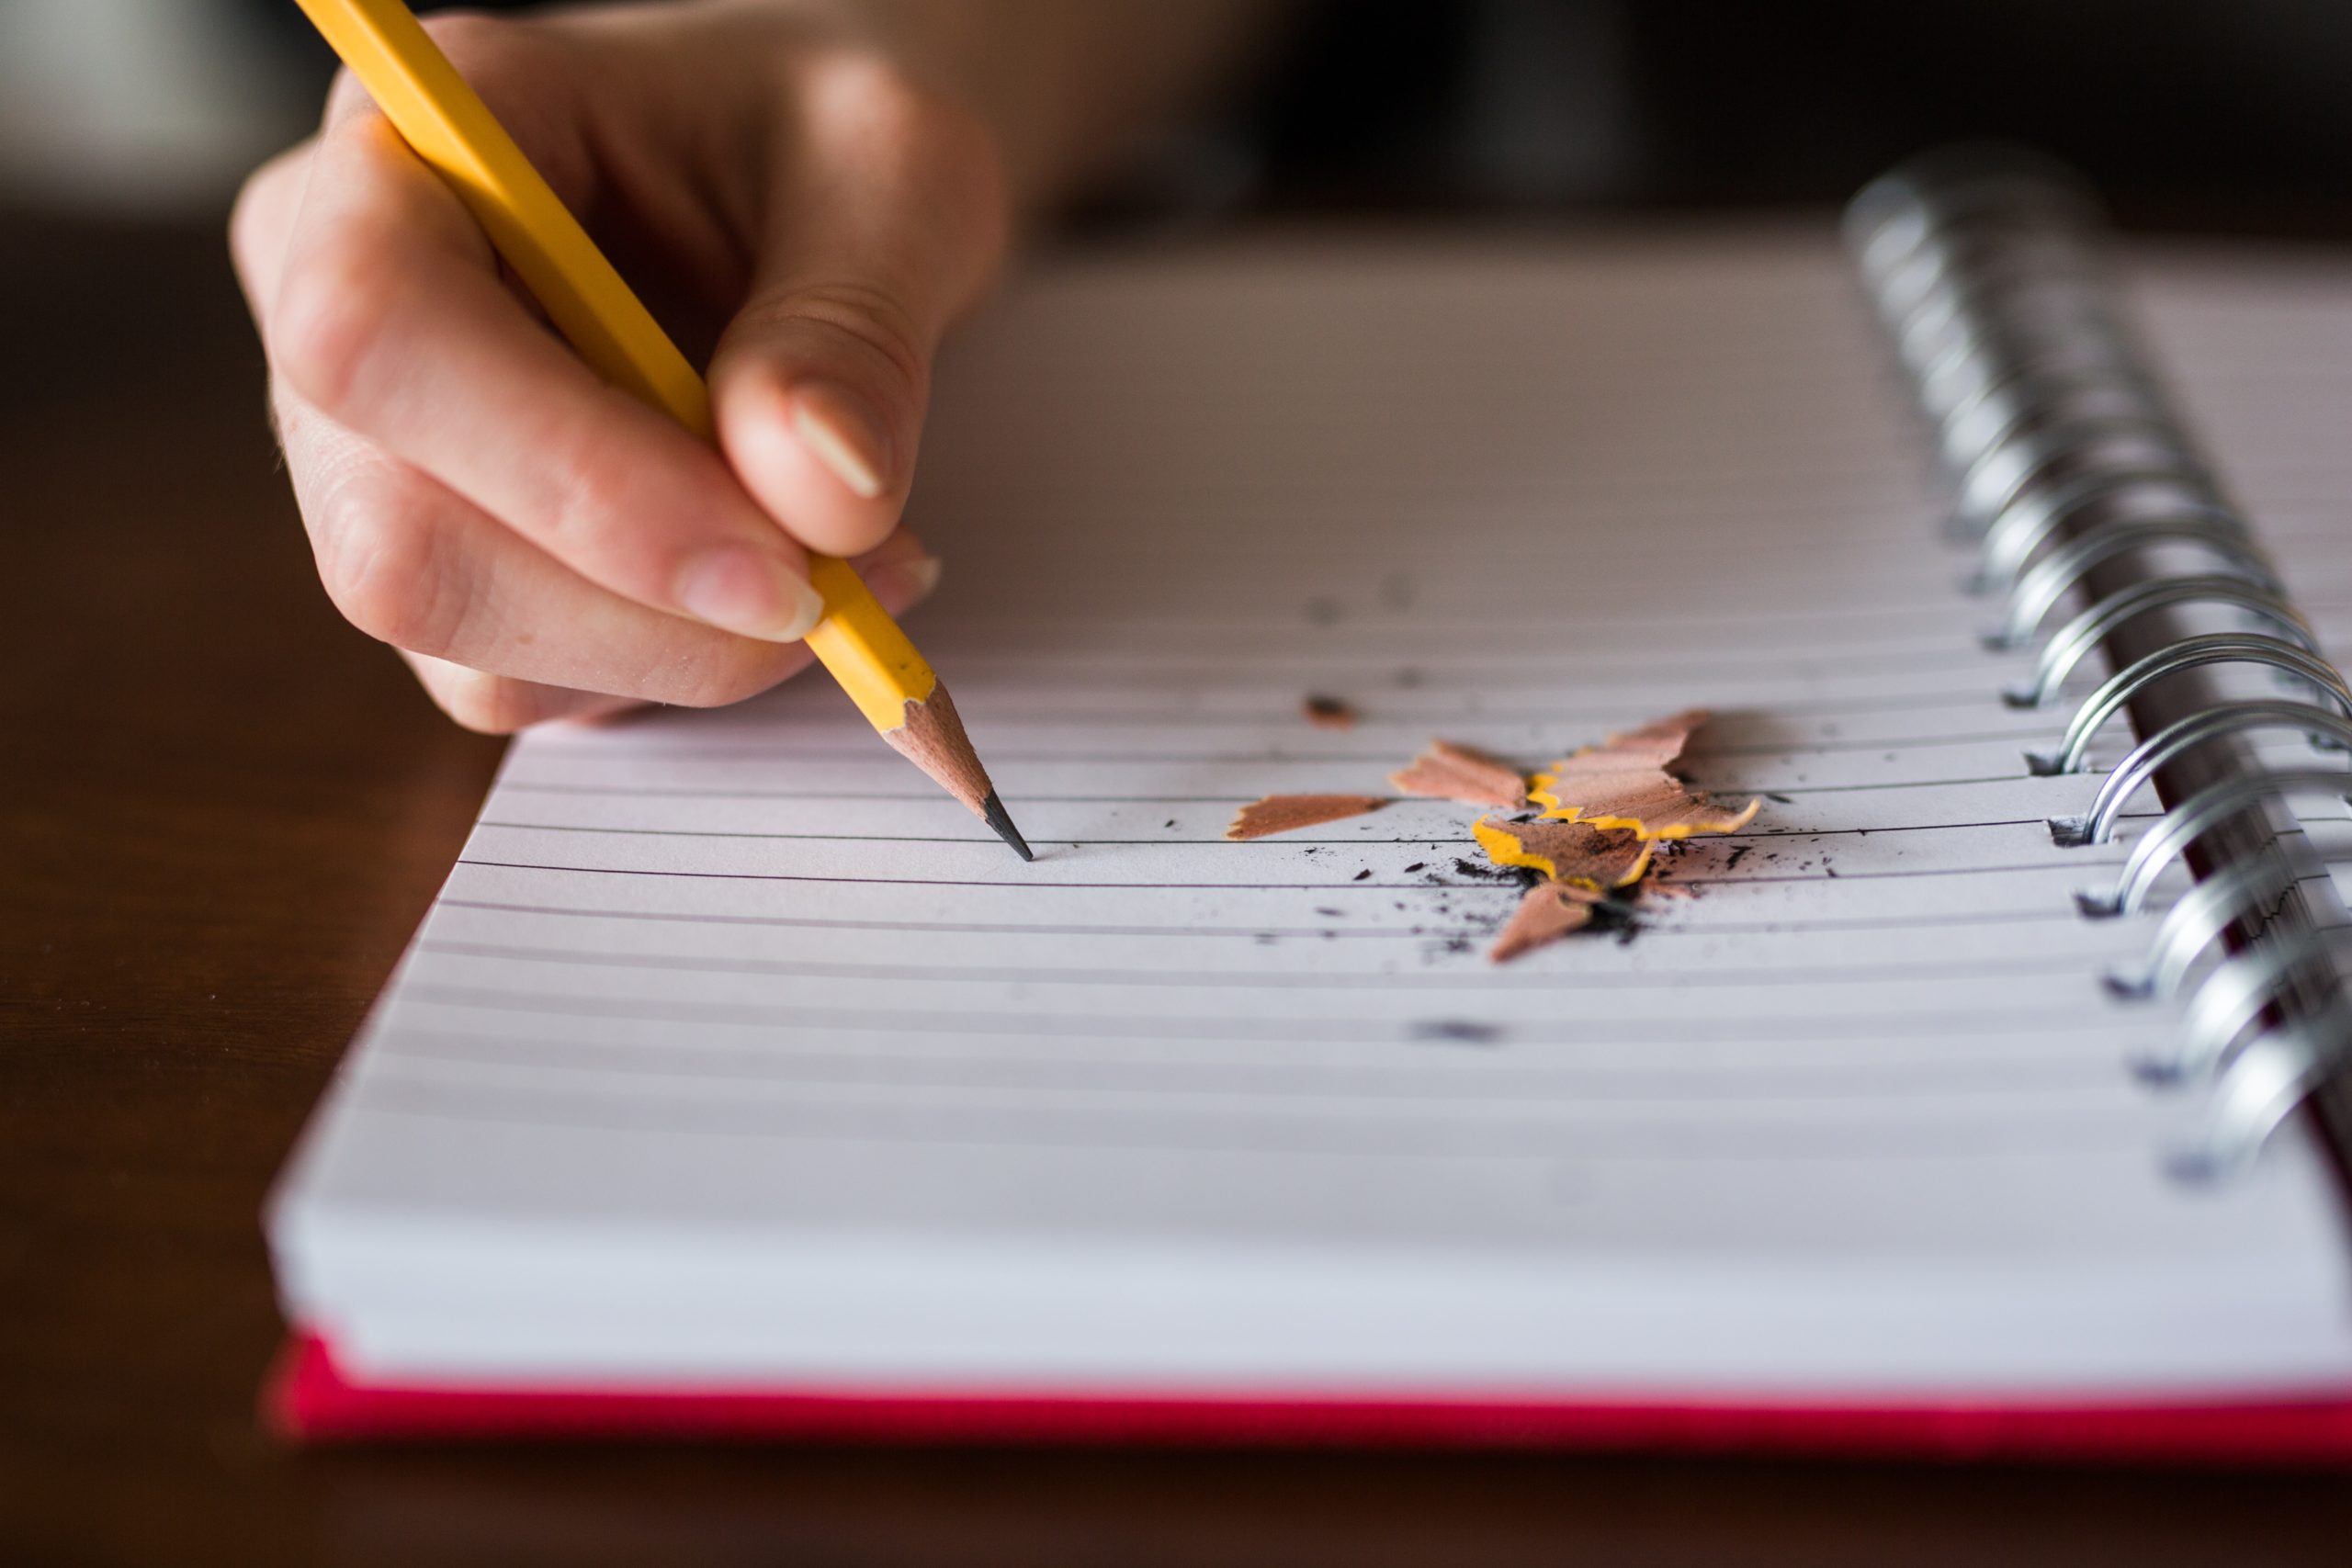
x=736 y=1085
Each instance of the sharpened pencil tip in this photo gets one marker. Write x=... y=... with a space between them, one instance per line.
x=992 y=812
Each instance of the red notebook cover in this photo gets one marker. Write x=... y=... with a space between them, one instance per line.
x=309 y=1398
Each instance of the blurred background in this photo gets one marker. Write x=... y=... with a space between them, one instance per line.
x=222 y=811
x=2189 y=113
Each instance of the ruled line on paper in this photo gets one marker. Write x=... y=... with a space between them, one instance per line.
x=2059 y=1129
x=2041 y=963
x=1897 y=1025
x=1846 y=1079
x=2047 y=911
x=1032 y=797
x=1286 y=842
x=1980 y=698
x=1889 y=1087
x=1369 y=886
x=1382 y=1048
x=2080 y=1051
x=1708 y=753
x=1132 y=671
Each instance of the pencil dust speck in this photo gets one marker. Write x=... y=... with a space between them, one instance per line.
x=1445 y=771
x=1454 y=1030
x=1328 y=712
x=1287 y=813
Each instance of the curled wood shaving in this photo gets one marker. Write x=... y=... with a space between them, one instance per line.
x=1549 y=912
x=1577 y=852
x=1622 y=783
x=1605 y=808
x=1285 y=813
x=1447 y=772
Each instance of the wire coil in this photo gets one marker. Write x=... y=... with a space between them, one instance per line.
x=2068 y=468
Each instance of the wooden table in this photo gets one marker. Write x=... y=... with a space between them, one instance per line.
x=224 y=811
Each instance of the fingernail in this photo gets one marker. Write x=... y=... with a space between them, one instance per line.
x=839 y=430
x=903 y=582
x=738 y=589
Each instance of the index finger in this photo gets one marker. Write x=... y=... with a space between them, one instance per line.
x=391 y=316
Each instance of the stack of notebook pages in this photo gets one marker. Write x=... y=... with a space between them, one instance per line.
x=735 y=1083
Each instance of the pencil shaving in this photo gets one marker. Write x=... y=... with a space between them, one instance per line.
x=1577 y=852
x=1287 y=813
x=1606 y=810
x=1624 y=783
x=1447 y=772
x=1661 y=811
x=1549 y=912
x=1329 y=713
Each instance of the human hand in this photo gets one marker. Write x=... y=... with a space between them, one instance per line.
x=536 y=543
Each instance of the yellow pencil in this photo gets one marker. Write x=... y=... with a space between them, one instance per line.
x=454 y=132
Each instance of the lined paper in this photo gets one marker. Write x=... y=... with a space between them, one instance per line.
x=732 y=1053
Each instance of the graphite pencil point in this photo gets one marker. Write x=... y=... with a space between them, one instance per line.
x=993 y=813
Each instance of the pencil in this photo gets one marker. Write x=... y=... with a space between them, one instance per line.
x=450 y=128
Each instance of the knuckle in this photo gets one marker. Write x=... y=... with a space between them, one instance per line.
x=869 y=314
x=253 y=202
x=881 y=97
x=890 y=111
x=332 y=310
x=488 y=705
x=345 y=97
x=591 y=510
x=474 y=40
x=936 y=152
x=729 y=674
x=379 y=565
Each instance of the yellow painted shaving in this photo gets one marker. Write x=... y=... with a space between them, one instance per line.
x=1506 y=848
x=1540 y=791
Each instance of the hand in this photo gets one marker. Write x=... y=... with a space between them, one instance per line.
x=538 y=543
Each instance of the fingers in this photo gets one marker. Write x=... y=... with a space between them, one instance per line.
x=539 y=545
x=390 y=317
x=261 y=222
x=888 y=219
x=499 y=705
x=415 y=565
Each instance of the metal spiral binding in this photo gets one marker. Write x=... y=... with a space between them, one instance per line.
x=2064 y=461
x=2086 y=633
x=2213 y=648
x=2139 y=769
x=2180 y=829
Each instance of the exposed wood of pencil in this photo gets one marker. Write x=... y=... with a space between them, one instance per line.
x=933 y=738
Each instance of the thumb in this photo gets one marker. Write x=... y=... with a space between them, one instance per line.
x=887 y=220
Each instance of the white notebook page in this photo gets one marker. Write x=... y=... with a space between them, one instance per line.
x=732 y=1053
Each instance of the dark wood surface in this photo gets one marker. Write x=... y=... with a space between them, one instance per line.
x=224 y=812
